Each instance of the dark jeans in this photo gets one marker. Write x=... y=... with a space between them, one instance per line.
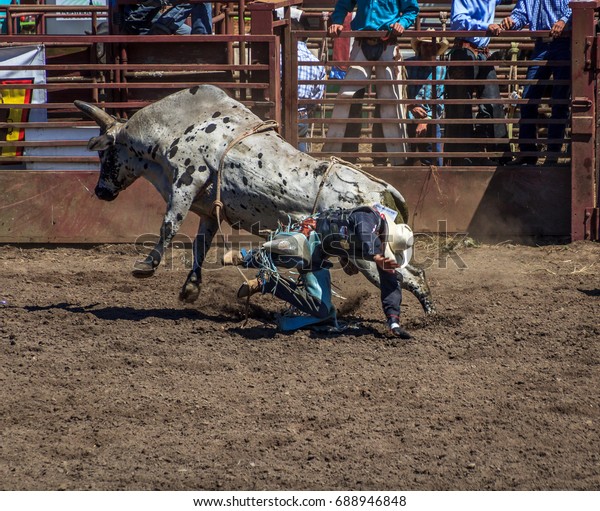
x=146 y=18
x=555 y=50
x=485 y=110
x=422 y=147
x=391 y=293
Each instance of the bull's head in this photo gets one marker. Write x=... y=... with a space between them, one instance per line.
x=116 y=171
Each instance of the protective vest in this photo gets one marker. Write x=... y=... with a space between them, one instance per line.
x=336 y=230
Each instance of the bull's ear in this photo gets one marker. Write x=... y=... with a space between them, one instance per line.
x=101 y=142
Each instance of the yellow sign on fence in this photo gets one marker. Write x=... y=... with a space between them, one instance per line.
x=15 y=96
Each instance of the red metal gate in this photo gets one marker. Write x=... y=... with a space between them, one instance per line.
x=114 y=71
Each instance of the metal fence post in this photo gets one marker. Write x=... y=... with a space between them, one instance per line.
x=583 y=115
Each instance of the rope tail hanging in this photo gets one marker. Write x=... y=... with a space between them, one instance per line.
x=218 y=206
x=514 y=91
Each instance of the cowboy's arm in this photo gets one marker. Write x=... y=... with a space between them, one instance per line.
x=565 y=13
x=518 y=17
x=409 y=10
x=342 y=7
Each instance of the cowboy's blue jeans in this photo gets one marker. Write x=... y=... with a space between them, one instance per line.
x=557 y=50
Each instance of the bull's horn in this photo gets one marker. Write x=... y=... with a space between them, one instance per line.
x=103 y=119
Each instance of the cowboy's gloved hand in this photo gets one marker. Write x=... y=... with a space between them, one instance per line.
x=419 y=112
x=494 y=29
x=557 y=29
x=397 y=29
x=507 y=23
x=385 y=263
x=335 y=30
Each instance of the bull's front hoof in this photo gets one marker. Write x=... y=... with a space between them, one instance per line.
x=431 y=310
x=189 y=292
x=142 y=270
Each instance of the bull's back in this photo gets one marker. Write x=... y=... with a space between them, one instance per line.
x=173 y=115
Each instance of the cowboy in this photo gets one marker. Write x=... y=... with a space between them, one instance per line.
x=394 y=17
x=555 y=16
x=427 y=50
x=476 y=15
x=352 y=235
x=310 y=91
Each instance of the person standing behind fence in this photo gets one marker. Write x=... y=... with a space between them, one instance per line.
x=474 y=15
x=393 y=16
x=160 y=17
x=305 y=90
x=427 y=50
x=553 y=15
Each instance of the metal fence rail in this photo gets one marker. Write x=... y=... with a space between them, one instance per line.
x=321 y=109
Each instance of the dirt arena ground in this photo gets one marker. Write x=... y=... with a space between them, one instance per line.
x=107 y=382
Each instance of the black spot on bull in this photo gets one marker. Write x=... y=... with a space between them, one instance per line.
x=179 y=217
x=216 y=114
x=320 y=170
x=173 y=149
x=245 y=180
x=187 y=162
x=225 y=120
x=154 y=151
x=210 y=128
x=185 y=179
x=188 y=129
x=190 y=169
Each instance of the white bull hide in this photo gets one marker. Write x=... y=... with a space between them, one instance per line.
x=184 y=141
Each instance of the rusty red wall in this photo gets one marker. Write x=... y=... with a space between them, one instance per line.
x=59 y=207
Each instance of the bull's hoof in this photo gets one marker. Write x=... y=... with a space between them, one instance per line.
x=189 y=292
x=142 y=270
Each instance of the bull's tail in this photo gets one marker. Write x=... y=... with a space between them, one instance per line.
x=393 y=199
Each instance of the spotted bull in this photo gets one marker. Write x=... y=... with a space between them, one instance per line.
x=198 y=145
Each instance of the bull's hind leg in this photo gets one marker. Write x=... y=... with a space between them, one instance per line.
x=206 y=232
x=413 y=279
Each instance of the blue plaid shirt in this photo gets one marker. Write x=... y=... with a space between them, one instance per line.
x=426 y=90
x=312 y=90
x=540 y=14
x=474 y=15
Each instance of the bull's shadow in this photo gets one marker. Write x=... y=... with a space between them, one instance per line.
x=269 y=330
x=524 y=203
x=129 y=313
x=589 y=292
